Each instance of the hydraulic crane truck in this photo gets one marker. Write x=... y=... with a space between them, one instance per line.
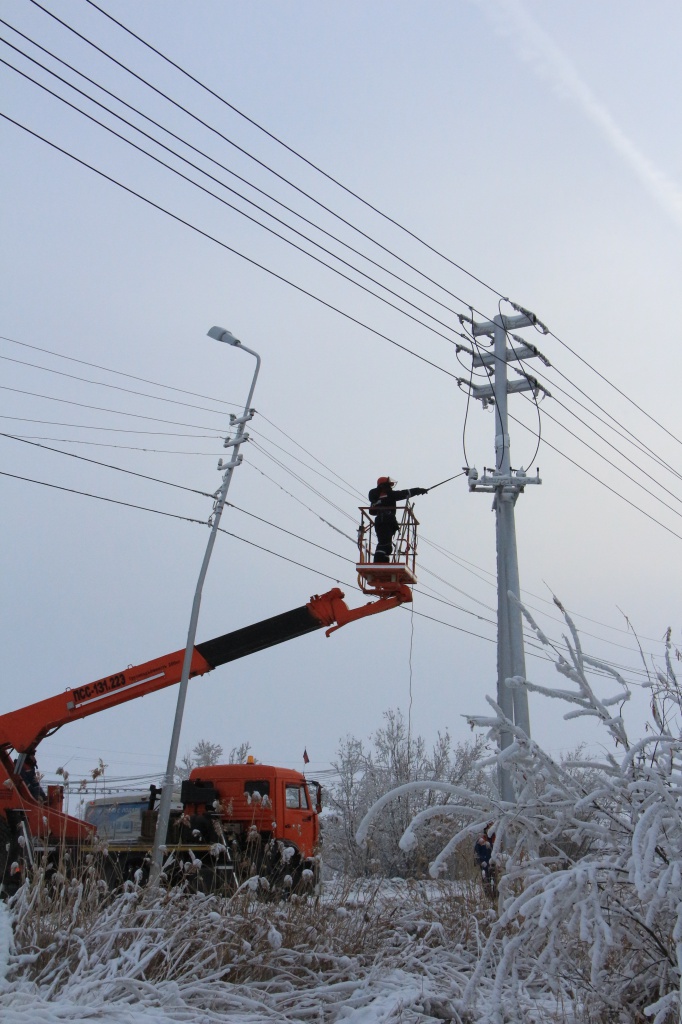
x=235 y=819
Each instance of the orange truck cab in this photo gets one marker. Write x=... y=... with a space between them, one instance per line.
x=268 y=818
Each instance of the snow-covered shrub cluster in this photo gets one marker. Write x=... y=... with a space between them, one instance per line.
x=388 y=951
x=367 y=771
x=590 y=855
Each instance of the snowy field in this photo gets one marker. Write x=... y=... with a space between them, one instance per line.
x=586 y=928
x=391 y=952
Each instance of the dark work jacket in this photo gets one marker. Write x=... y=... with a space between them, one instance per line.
x=483 y=850
x=385 y=501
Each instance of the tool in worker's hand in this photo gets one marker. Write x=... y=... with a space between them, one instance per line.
x=433 y=487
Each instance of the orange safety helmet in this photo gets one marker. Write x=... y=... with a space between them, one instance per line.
x=386 y=480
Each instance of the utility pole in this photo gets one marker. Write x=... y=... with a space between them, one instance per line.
x=227 y=469
x=506 y=484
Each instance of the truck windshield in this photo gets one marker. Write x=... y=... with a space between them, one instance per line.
x=297 y=797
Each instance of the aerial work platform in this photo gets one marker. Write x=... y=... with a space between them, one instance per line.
x=383 y=578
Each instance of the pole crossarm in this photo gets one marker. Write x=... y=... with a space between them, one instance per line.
x=513 y=387
x=507 y=323
x=514 y=483
x=522 y=352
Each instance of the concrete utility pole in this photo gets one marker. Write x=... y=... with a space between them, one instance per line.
x=506 y=484
x=227 y=469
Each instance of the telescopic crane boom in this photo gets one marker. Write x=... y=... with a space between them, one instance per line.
x=22 y=730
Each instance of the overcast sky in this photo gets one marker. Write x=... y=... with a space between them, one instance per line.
x=535 y=150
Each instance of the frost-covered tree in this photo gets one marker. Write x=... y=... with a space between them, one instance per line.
x=590 y=904
x=365 y=773
x=207 y=753
x=239 y=754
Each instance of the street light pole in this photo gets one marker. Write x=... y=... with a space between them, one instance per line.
x=220 y=334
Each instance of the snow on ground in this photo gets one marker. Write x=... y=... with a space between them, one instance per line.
x=383 y=953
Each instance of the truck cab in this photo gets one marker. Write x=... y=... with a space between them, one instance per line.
x=267 y=816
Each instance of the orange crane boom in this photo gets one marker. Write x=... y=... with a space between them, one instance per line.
x=22 y=730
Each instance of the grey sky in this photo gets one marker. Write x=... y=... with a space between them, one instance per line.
x=547 y=162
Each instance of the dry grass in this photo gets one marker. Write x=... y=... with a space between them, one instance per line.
x=410 y=945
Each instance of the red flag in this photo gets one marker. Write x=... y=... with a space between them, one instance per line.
x=306 y=759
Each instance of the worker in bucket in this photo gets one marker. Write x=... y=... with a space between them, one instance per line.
x=383 y=499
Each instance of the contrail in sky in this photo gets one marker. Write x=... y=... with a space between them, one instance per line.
x=535 y=46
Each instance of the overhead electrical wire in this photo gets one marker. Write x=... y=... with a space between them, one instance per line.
x=240 y=195
x=523 y=372
x=229 y=533
x=243 y=213
x=170 y=387
x=313 y=457
x=116 y=387
x=160 y=399
x=612 y=464
x=99 y=408
x=228 y=248
x=111 y=430
x=107 y=465
x=125 y=68
x=119 y=373
x=549 y=414
x=103 y=444
x=365 y=202
x=192 y=490
x=295 y=152
x=654 y=520
x=267 y=522
x=242 y=150
x=602 y=482
x=282 y=529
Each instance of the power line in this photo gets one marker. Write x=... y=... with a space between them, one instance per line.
x=157 y=398
x=145 y=380
x=231 y=206
x=99 y=497
x=295 y=152
x=602 y=482
x=111 y=430
x=615 y=387
x=108 y=369
x=102 y=444
x=246 y=153
x=318 y=493
x=228 y=248
x=99 y=408
x=308 y=254
x=124 y=67
x=222 y=184
x=107 y=465
x=114 y=387
x=259 y=547
x=229 y=533
x=613 y=465
x=619 y=429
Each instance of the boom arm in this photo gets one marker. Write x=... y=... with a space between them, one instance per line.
x=25 y=728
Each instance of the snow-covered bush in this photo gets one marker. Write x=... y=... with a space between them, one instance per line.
x=367 y=772
x=590 y=904
x=386 y=951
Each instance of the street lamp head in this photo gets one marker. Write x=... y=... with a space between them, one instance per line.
x=220 y=334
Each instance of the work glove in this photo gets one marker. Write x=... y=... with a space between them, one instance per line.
x=422 y=490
